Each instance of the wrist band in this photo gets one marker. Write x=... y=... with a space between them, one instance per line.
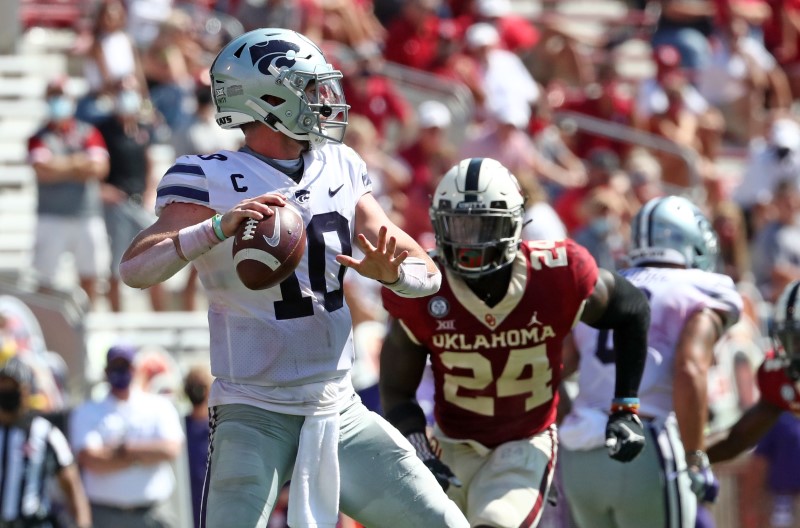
x=625 y=404
x=415 y=280
x=216 y=223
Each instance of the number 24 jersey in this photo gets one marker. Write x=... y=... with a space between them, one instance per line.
x=497 y=369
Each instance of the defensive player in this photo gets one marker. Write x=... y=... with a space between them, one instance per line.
x=778 y=378
x=493 y=334
x=282 y=403
x=673 y=250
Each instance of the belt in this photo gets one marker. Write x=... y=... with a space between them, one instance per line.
x=142 y=508
x=25 y=523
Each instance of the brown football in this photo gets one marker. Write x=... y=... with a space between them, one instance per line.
x=267 y=251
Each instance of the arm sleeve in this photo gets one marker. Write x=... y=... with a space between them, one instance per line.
x=628 y=315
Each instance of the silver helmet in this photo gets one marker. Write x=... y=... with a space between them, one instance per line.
x=786 y=328
x=672 y=230
x=477 y=215
x=282 y=79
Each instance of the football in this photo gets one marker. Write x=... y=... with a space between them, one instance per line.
x=267 y=251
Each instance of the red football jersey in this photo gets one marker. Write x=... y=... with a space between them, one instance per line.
x=775 y=386
x=497 y=370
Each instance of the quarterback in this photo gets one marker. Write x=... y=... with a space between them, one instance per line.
x=282 y=403
x=493 y=334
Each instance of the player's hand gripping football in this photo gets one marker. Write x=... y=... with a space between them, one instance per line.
x=255 y=208
x=704 y=483
x=443 y=474
x=379 y=262
x=624 y=436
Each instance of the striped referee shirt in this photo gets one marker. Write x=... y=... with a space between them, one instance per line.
x=32 y=451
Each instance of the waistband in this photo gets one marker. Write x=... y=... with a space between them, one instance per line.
x=140 y=508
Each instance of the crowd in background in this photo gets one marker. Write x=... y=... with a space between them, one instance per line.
x=724 y=81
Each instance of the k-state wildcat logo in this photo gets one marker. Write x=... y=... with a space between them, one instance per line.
x=302 y=195
x=278 y=52
x=438 y=307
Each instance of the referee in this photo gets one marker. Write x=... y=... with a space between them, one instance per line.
x=33 y=451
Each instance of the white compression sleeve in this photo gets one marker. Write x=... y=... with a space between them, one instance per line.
x=151 y=266
x=415 y=280
x=162 y=261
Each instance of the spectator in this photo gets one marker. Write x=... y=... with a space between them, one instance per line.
x=125 y=443
x=430 y=156
x=129 y=191
x=686 y=25
x=605 y=227
x=776 y=247
x=729 y=223
x=669 y=106
x=610 y=98
x=541 y=220
x=504 y=77
x=299 y=15
x=144 y=19
x=172 y=64
x=34 y=452
x=70 y=160
x=503 y=137
x=743 y=80
x=602 y=166
x=375 y=96
x=196 y=387
x=451 y=62
x=517 y=34
x=411 y=37
x=782 y=39
x=772 y=158
x=112 y=56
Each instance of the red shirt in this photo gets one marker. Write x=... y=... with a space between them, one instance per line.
x=497 y=370
x=411 y=46
x=379 y=102
x=775 y=386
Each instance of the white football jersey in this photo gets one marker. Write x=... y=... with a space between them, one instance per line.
x=300 y=331
x=674 y=296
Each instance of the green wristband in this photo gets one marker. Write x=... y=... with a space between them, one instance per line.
x=216 y=223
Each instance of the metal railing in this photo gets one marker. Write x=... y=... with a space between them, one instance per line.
x=634 y=136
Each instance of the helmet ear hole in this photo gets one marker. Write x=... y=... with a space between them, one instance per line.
x=273 y=100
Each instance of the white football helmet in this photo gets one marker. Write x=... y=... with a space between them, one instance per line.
x=672 y=230
x=786 y=328
x=281 y=78
x=477 y=215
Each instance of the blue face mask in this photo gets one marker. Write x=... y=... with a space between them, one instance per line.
x=128 y=102
x=60 y=108
x=119 y=379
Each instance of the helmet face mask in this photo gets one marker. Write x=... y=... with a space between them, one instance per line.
x=672 y=230
x=477 y=217
x=786 y=329
x=280 y=78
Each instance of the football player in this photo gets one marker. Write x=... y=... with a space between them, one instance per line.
x=778 y=381
x=282 y=403
x=493 y=335
x=673 y=252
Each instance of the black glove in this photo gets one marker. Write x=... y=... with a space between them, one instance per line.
x=704 y=483
x=624 y=436
x=443 y=474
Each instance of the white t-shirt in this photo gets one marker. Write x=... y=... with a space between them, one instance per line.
x=723 y=81
x=142 y=418
x=651 y=99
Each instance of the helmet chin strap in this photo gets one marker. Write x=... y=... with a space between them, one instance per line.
x=275 y=124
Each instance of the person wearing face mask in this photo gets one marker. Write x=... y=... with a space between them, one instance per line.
x=29 y=441
x=70 y=159
x=196 y=385
x=125 y=444
x=128 y=192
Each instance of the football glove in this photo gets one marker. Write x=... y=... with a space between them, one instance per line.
x=624 y=436
x=443 y=474
x=704 y=483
